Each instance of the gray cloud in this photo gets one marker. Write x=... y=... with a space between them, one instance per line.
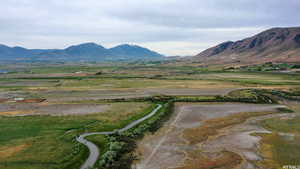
x=213 y=13
x=165 y=26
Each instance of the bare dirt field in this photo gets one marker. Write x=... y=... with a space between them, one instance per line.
x=230 y=145
x=22 y=109
x=127 y=93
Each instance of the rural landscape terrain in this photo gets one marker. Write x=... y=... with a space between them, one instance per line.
x=149 y=84
x=179 y=114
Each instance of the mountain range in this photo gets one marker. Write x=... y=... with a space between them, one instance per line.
x=273 y=45
x=81 y=52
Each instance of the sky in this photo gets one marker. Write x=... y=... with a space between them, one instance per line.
x=170 y=27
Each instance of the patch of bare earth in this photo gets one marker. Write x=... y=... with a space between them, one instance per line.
x=23 y=109
x=204 y=136
x=72 y=109
x=9 y=151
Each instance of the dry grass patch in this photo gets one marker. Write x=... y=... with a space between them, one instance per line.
x=222 y=160
x=279 y=151
x=15 y=113
x=120 y=111
x=282 y=147
x=210 y=127
x=141 y=84
x=8 y=151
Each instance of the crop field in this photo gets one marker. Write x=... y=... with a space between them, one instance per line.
x=219 y=116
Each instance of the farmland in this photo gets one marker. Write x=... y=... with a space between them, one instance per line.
x=44 y=108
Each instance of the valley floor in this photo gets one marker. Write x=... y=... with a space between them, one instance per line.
x=43 y=110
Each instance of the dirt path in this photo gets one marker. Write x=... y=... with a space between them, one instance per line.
x=168 y=149
x=94 y=150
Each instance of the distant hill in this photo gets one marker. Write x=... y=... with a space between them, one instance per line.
x=81 y=52
x=276 y=44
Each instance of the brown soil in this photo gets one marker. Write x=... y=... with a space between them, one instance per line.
x=3 y=100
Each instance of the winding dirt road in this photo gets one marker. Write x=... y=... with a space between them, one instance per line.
x=94 y=150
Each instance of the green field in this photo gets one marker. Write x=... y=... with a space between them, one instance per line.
x=48 y=141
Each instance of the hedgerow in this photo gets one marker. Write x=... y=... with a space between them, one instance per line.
x=122 y=145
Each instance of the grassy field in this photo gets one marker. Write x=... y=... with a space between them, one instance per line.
x=59 y=81
x=213 y=81
x=48 y=141
x=282 y=147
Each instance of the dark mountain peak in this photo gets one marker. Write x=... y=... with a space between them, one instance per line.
x=124 y=45
x=133 y=51
x=18 y=47
x=87 y=49
x=89 y=45
x=271 y=44
x=127 y=46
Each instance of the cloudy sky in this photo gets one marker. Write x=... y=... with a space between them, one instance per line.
x=171 y=27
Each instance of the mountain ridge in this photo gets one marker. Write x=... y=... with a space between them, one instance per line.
x=86 y=51
x=275 y=44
